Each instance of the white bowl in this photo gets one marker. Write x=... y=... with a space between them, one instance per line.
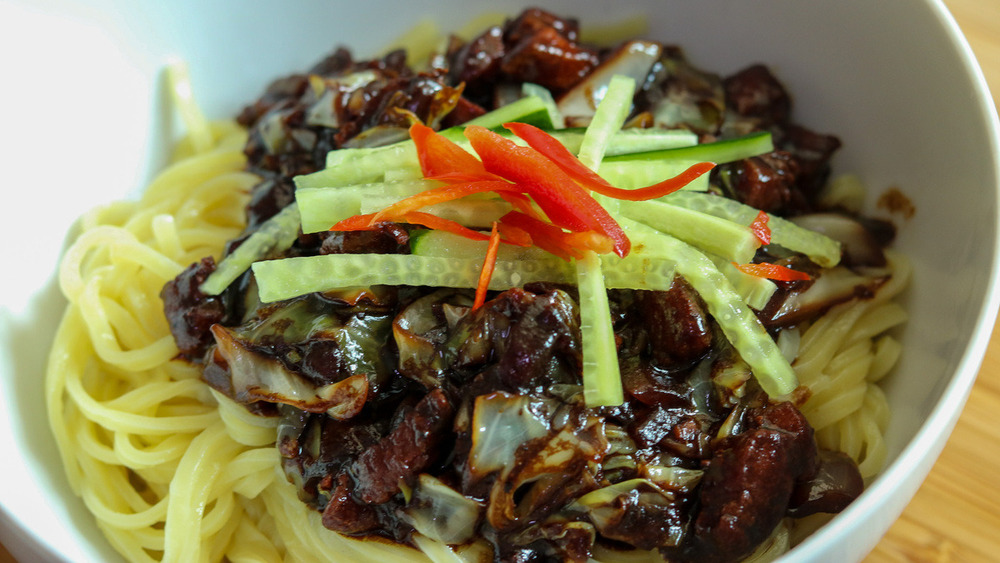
x=86 y=118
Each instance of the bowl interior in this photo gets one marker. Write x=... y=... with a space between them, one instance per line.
x=893 y=79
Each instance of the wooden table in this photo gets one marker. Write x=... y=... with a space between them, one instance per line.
x=955 y=516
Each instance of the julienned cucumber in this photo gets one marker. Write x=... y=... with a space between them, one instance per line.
x=321 y=208
x=820 y=248
x=719 y=152
x=292 y=277
x=602 y=381
x=529 y=109
x=276 y=235
x=729 y=240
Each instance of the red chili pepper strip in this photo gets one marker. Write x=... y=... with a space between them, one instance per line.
x=514 y=235
x=591 y=240
x=364 y=223
x=772 y=272
x=489 y=263
x=571 y=165
x=522 y=203
x=355 y=223
x=442 y=194
x=544 y=235
x=760 y=228
x=442 y=159
x=556 y=241
x=564 y=202
x=435 y=222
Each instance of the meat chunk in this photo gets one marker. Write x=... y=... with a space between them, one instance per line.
x=531 y=21
x=190 y=312
x=812 y=152
x=549 y=59
x=677 y=324
x=385 y=238
x=408 y=449
x=479 y=60
x=766 y=182
x=346 y=515
x=748 y=484
x=755 y=92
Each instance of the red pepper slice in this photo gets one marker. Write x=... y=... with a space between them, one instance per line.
x=440 y=195
x=571 y=165
x=442 y=159
x=760 y=228
x=364 y=223
x=514 y=235
x=355 y=223
x=489 y=264
x=438 y=223
x=556 y=241
x=772 y=271
x=521 y=202
x=564 y=202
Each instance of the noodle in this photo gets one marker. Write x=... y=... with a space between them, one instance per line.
x=174 y=471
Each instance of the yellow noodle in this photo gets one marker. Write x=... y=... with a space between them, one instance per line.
x=887 y=352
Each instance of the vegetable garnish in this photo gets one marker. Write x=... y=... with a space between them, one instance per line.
x=564 y=202
x=760 y=228
x=772 y=272
x=489 y=263
x=442 y=159
x=434 y=196
x=587 y=178
x=556 y=241
x=366 y=222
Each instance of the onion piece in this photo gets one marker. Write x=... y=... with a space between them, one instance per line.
x=633 y=59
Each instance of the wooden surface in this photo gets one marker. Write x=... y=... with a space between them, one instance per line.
x=955 y=516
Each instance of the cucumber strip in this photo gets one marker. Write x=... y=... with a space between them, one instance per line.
x=727 y=239
x=608 y=119
x=719 y=152
x=635 y=271
x=321 y=208
x=276 y=234
x=756 y=291
x=292 y=277
x=820 y=248
x=529 y=109
x=737 y=321
x=530 y=89
x=602 y=380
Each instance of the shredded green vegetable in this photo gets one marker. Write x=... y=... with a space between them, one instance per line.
x=291 y=277
x=275 y=235
x=818 y=247
x=601 y=375
x=724 y=238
